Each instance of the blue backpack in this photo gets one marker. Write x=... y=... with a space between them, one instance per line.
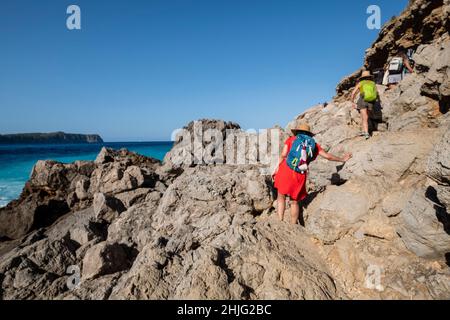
x=302 y=152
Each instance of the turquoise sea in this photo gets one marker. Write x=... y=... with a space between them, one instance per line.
x=17 y=161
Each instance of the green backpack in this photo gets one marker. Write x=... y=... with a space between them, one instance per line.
x=369 y=89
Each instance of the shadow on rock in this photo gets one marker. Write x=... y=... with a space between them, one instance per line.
x=444 y=105
x=45 y=215
x=222 y=255
x=441 y=212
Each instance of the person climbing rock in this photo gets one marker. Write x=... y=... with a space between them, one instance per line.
x=291 y=173
x=368 y=96
x=397 y=68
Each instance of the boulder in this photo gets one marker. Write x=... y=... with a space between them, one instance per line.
x=434 y=59
x=389 y=157
x=212 y=191
x=52 y=175
x=32 y=211
x=81 y=235
x=107 y=208
x=336 y=211
x=82 y=188
x=104 y=258
x=394 y=202
x=425 y=226
x=117 y=178
x=134 y=224
x=130 y=198
x=106 y=155
x=188 y=149
x=45 y=259
x=52 y=191
x=27 y=280
x=439 y=162
x=438 y=169
x=85 y=168
x=92 y=289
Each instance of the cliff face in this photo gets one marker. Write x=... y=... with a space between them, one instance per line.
x=376 y=227
x=50 y=138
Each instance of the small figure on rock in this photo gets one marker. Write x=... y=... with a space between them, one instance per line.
x=397 y=68
x=368 y=96
x=291 y=173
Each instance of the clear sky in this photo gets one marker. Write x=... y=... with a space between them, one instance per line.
x=137 y=70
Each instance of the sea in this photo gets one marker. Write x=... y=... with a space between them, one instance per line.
x=17 y=161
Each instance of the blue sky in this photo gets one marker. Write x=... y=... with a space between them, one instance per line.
x=137 y=70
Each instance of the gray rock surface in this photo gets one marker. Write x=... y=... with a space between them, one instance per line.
x=425 y=226
x=107 y=208
x=104 y=258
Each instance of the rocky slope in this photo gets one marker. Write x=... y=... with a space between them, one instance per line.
x=377 y=227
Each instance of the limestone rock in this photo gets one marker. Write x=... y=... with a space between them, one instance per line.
x=439 y=169
x=106 y=155
x=425 y=226
x=104 y=258
x=394 y=203
x=336 y=211
x=107 y=208
x=439 y=162
x=92 y=289
x=81 y=188
x=130 y=198
x=189 y=143
x=133 y=225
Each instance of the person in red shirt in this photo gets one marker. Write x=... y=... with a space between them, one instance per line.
x=291 y=183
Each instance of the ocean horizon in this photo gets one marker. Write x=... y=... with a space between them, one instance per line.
x=17 y=160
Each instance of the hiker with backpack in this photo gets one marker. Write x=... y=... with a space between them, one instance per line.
x=368 y=96
x=291 y=174
x=397 y=68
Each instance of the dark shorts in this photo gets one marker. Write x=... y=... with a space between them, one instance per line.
x=364 y=104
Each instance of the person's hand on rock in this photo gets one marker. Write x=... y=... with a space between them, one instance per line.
x=347 y=157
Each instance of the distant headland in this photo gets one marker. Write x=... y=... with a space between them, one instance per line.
x=49 y=138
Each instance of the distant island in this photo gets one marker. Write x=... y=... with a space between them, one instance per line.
x=49 y=138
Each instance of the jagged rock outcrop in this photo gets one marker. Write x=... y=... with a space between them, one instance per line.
x=213 y=142
x=197 y=227
x=189 y=147
x=56 y=189
x=438 y=169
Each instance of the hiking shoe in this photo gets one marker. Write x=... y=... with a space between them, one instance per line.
x=366 y=135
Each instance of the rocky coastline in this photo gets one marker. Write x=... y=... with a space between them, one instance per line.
x=129 y=227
